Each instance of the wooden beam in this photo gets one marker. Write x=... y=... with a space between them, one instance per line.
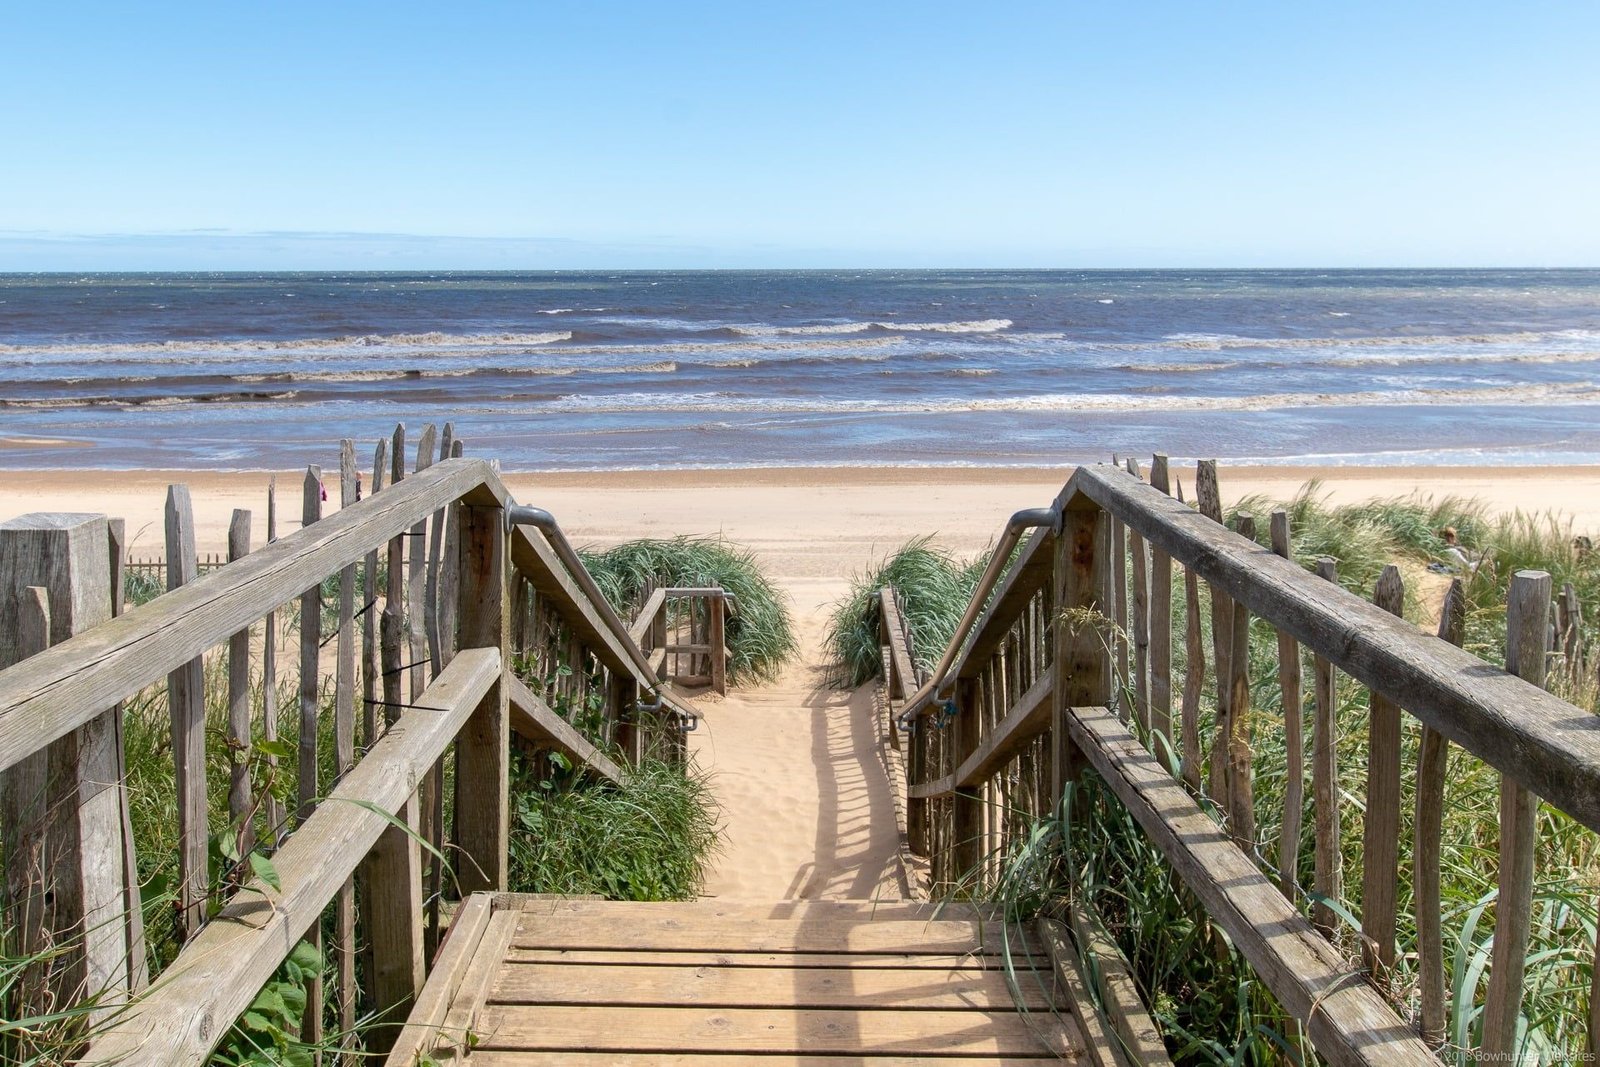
x=647 y=617
x=1349 y=1021
x=61 y=689
x=905 y=673
x=533 y=719
x=214 y=979
x=1537 y=739
x=482 y=780
x=1027 y=573
x=1027 y=720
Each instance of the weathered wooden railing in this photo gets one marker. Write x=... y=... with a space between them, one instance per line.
x=482 y=604
x=1069 y=669
x=676 y=624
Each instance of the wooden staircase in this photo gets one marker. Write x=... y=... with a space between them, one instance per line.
x=534 y=981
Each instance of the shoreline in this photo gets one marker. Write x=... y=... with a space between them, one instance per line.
x=811 y=522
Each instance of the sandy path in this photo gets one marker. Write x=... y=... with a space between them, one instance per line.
x=806 y=807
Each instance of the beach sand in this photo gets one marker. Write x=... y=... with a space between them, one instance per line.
x=806 y=807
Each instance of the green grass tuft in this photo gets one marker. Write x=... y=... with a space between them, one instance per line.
x=760 y=633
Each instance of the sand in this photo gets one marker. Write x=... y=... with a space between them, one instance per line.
x=806 y=807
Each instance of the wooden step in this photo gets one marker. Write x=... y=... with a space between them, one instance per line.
x=808 y=983
x=751 y=987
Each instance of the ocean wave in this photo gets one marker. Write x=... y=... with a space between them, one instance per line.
x=1573 y=393
x=829 y=328
x=251 y=346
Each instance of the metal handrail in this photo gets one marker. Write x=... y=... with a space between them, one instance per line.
x=937 y=685
x=545 y=523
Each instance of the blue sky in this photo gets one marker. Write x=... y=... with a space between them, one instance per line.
x=694 y=134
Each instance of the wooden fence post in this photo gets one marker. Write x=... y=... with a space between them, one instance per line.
x=482 y=749
x=239 y=733
x=1161 y=628
x=1081 y=582
x=717 y=639
x=1290 y=689
x=1380 y=841
x=1527 y=610
x=1328 y=861
x=69 y=795
x=394 y=925
x=1432 y=762
x=186 y=698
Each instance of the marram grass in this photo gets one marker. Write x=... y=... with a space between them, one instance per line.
x=759 y=631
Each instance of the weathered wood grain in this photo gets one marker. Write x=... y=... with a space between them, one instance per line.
x=186 y=700
x=1432 y=760
x=1160 y=623
x=1527 y=610
x=240 y=804
x=1289 y=689
x=62 y=688
x=1532 y=736
x=1327 y=857
x=1139 y=619
x=482 y=816
x=1349 y=1022
x=184 y=1014
x=1240 y=785
x=1380 y=837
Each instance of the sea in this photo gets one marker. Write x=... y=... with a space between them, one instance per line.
x=708 y=369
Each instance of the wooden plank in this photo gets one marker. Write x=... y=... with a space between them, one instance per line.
x=905 y=672
x=1328 y=856
x=344 y=754
x=417 y=585
x=1241 y=787
x=1349 y=1022
x=30 y=919
x=66 y=852
x=1140 y=619
x=1160 y=623
x=1208 y=494
x=62 y=687
x=993 y=958
x=937 y=787
x=460 y=1031
x=717 y=908
x=644 y=623
x=919 y=937
x=394 y=923
x=1119 y=991
x=1289 y=688
x=391 y=628
x=1534 y=737
x=1082 y=658
x=310 y=650
x=533 y=719
x=433 y=1003
x=754 y=987
x=568 y=1058
x=1432 y=760
x=716 y=632
x=1029 y=572
x=132 y=896
x=1027 y=720
x=482 y=814
x=931 y=1033
x=216 y=977
x=1194 y=680
x=1101 y=1046
x=1527 y=609
x=277 y=818
x=534 y=557
x=371 y=667
x=1380 y=838
x=1118 y=604
x=186 y=700
x=239 y=732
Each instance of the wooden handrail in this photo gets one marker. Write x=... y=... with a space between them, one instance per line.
x=533 y=719
x=904 y=671
x=48 y=695
x=214 y=979
x=1532 y=736
x=1348 y=1018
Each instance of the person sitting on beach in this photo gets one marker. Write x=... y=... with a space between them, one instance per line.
x=1453 y=554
